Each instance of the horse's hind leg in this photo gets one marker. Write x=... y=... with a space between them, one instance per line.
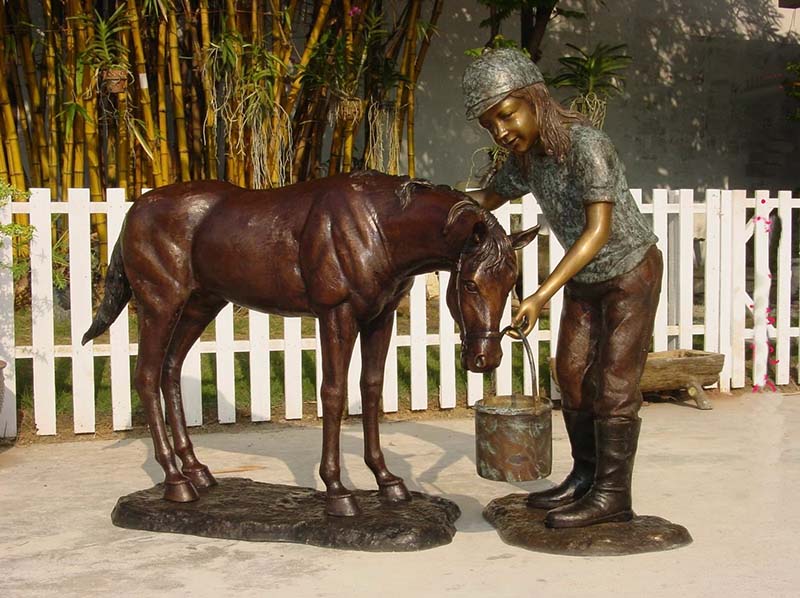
x=195 y=317
x=155 y=332
x=374 y=347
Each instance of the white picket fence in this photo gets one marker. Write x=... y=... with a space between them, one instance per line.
x=725 y=220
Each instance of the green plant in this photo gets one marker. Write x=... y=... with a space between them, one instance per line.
x=16 y=232
x=105 y=50
x=594 y=76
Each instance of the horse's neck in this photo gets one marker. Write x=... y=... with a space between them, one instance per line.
x=420 y=244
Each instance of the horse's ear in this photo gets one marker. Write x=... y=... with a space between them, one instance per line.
x=479 y=232
x=522 y=238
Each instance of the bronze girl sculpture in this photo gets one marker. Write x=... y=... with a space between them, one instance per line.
x=344 y=249
x=611 y=269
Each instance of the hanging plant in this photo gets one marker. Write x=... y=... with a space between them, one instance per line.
x=595 y=76
x=105 y=53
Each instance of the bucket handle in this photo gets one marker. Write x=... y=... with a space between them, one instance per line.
x=528 y=350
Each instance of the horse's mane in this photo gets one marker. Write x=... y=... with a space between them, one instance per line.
x=495 y=249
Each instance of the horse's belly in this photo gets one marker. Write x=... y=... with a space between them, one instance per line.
x=266 y=291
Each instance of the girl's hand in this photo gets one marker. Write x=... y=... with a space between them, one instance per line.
x=527 y=314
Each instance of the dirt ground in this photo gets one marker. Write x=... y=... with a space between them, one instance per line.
x=104 y=431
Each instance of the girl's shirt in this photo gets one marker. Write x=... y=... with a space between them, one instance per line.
x=591 y=172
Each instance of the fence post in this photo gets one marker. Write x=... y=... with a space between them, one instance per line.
x=119 y=332
x=8 y=400
x=738 y=291
x=226 y=376
x=503 y=374
x=390 y=372
x=686 y=269
x=530 y=282
x=354 y=399
x=447 y=356
x=258 y=324
x=80 y=293
x=419 y=345
x=556 y=303
x=711 y=278
x=724 y=316
x=292 y=368
x=784 y=296
x=661 y=229
x=42 y=334
x=761 y=287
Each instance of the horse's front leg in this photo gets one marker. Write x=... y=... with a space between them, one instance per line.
x=374 y=347
x=338 y=333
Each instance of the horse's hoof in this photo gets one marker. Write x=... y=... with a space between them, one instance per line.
x=181 y=491
x=200 y=477
x=395 y=491
x=342 y=506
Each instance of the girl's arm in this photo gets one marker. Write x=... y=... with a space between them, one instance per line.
x=592 y=239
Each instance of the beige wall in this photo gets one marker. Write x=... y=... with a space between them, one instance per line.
x=703 y=105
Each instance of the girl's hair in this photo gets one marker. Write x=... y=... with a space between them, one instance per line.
x=554 y=120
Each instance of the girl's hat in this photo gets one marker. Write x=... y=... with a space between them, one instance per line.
x=495 y=74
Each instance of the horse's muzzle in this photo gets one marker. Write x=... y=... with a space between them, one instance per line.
x=481 y=354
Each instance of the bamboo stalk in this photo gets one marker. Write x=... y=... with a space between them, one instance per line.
x=405 y=68
x=23 y=126
x=16 y=174
x=91 y=142
x=79 y=173
x=410 y=88
x=336 y=149
x=70 y=95
x=311 y=45
x=304 y=134
x=4 y=174
x=123 y=144
x=196 y=142
x=39 y=150
x=438 y=5
x=176 y=81
x=210 y=118
x=51 y=98
x=161 y=99
x=144 y=91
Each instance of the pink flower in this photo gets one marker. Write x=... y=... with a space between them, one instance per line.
x=355 y=11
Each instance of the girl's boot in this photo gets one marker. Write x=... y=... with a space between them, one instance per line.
x=609 y=498
x=580 y=429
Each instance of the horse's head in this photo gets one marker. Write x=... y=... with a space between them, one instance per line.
x=480 y=283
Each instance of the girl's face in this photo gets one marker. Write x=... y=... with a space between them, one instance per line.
x=512 y=123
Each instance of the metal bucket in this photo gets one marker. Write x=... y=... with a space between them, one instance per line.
x=514 y=435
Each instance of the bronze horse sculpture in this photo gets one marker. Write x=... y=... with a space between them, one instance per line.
x=344 y=249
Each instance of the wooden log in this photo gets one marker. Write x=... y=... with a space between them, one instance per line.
x=677 y=370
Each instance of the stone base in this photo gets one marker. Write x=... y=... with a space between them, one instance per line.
x=522 y=526
x=241 y=509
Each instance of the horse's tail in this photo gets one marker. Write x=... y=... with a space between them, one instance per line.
x=116 y=296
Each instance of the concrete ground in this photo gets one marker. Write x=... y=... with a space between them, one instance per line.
x=731 y=476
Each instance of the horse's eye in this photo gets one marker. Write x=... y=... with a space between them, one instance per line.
x=470 y=286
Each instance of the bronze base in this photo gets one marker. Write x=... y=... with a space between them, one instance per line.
x=241 y=509
x=523 y=526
